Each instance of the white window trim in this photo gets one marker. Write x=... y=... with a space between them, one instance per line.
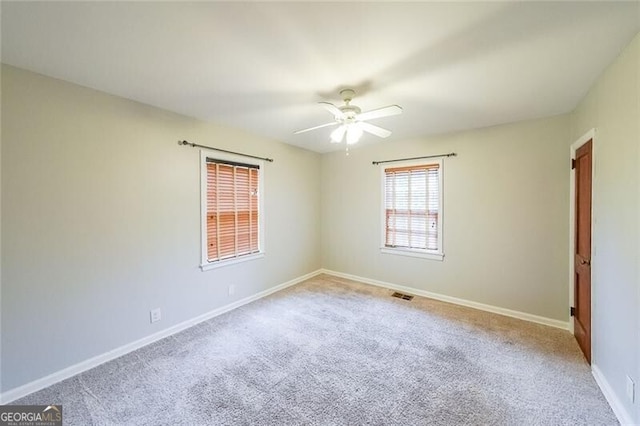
x=402 y=251
x=205 y=265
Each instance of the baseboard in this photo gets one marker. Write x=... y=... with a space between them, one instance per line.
x=36 y=385
x=457 y=301
x=618 y=409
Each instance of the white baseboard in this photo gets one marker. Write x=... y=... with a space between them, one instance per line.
x=463 y=302
x=36 y=385
x=618 y=409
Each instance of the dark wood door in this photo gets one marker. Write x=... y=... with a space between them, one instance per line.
x=582 y=257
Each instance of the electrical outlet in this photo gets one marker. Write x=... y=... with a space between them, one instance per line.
x=631 y=389
x=156 y=315
x=232 y=289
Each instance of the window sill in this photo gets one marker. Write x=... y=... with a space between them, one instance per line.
x=233 y=261
x=413 y=253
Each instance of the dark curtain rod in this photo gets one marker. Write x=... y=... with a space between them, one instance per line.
x=224 y=150
x=451 y=154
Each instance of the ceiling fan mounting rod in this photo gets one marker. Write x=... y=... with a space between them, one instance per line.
x=347 y=95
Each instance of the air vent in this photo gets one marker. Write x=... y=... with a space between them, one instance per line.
x=402 y=296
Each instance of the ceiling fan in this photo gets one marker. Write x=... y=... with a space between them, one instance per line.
x=352 y=122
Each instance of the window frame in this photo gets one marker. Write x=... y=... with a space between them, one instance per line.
x=437 y=254
x=205 y=264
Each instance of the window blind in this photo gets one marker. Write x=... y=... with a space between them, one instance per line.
x=412 y=206
x=232 y=210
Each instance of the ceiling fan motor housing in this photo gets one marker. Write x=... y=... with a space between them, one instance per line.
x=350 y=112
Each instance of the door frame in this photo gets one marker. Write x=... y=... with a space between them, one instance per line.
x=590 y=135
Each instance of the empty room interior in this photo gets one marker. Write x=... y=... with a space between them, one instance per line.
x=320 y=213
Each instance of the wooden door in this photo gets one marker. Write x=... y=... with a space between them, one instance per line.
x=582 y=256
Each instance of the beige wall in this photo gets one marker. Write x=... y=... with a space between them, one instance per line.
x=101 y=213
x=505 y=217
x=612 y=107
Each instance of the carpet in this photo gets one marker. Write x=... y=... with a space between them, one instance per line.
x=331 y=351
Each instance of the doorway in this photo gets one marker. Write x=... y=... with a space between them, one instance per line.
x=582 y=165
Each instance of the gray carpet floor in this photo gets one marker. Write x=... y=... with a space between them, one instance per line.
x=331 y=351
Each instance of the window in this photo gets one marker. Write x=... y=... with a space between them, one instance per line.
x=231 y=210
x=412 y=210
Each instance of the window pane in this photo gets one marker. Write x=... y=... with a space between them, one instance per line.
x=411 y=200
x=232 y=210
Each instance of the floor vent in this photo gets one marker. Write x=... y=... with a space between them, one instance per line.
x=402 y=296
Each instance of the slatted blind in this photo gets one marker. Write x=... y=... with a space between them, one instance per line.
x=412 y=206
x=232 y=210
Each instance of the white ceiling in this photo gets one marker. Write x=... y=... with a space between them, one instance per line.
x=263 y=66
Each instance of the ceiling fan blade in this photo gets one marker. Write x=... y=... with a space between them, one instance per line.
x=374 y=130
x=380 y=112
x=314 y=128
x=337 y=113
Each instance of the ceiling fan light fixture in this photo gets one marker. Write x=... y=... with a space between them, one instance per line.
x=354 y=133
x=338 y=134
